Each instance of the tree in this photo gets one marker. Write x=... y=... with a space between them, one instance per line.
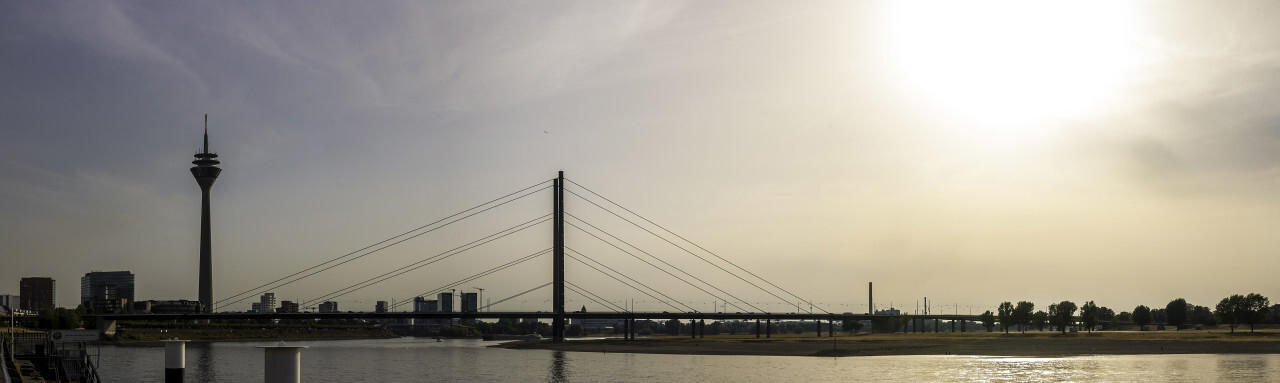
x=1227 y=311
x=1255 y=310
x=1005 y=315
x=851 y=325
x=1159 y=316
x=1040 y=319
x=1089 y=315
x=1202 y=315
x=573 y=330
x=1022 y=314
x=1141 y=315
x=1066 y=310
x=988 y=320
x=1054 y=317
x=1176 y=311
x=673 y=327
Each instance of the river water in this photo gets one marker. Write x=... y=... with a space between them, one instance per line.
x=466 y=360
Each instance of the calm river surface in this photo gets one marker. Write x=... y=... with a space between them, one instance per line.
x=422 y=359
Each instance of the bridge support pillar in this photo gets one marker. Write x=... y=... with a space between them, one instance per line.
x=557 y=263
x=702 y=328
x=936 y=327
x=831 y=328
x=757 y=328
x=106 y=326
x=693 y=328
x=963 y=327
x=768 y=328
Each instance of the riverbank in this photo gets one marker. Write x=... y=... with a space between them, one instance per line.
x=152 y=337
x=1032 y=344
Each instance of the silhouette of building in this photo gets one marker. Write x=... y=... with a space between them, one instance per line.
x=329 y=307
x=423 y=305
x=470 y=302
x=106 y=291
x=380 y=307
x=205 y=171
x=11 y=301
x=446 y=302
x=288 y=307
x=181 y=306
x=265 y=304
x=37 y=293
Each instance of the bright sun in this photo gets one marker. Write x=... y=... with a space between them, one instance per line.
x=1012 y=64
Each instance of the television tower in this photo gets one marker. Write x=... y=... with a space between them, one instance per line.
x=206 y=171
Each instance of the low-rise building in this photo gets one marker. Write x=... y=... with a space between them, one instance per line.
x=329 y=307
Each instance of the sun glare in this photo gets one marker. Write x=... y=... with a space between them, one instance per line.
x=1011 y=64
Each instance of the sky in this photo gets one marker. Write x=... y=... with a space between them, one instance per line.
x=970 y=152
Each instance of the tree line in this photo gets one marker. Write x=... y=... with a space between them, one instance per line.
x=1235 y=310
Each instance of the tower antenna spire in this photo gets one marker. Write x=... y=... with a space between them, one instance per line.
x=206 y=133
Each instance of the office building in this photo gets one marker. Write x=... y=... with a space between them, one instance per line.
x=265 y=304
x=288 y=307
x=329 y=307
x=470 y=302
x=380 y=307
x=37 y=293
x=423 y=305
x=446 y=302
x=106 y=285
x=10 y=301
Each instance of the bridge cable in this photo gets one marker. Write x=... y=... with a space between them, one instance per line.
x=249 y=291
x=690 y=242
x=690 y=308
x=481 y=274
x=584 y=294
x=665 y=263
x=661 y=269
x=514 y=296
x=438 y=257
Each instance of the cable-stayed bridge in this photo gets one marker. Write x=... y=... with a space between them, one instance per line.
x=560 y=220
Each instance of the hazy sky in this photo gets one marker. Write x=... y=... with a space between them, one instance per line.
x=975 y=152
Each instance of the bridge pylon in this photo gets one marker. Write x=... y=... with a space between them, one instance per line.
x=557 y=268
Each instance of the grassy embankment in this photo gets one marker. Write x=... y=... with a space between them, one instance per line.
x=1044 y=344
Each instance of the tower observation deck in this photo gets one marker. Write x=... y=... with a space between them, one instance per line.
x=206 y=171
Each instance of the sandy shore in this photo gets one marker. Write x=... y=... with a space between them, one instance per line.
x=1044 y=344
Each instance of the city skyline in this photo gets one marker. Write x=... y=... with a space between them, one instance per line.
x=972 y=155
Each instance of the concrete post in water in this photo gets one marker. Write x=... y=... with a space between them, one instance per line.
x=175 y=360
x=283 y=363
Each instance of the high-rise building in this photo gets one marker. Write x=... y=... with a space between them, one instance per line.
x=265 y=304
x=10 y=301
x=470 y=302
x=329 y=307
x=423 y=305
x=446 y=302
x=106 y=285
x=205 y=171
x=37 y=293
x=380 y=307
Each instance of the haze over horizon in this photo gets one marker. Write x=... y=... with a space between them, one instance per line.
x=1122 y=152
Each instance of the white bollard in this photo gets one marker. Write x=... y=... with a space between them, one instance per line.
x=283 y=363
x=175 y=360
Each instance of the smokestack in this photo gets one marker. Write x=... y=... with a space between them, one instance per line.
x=871 y=307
